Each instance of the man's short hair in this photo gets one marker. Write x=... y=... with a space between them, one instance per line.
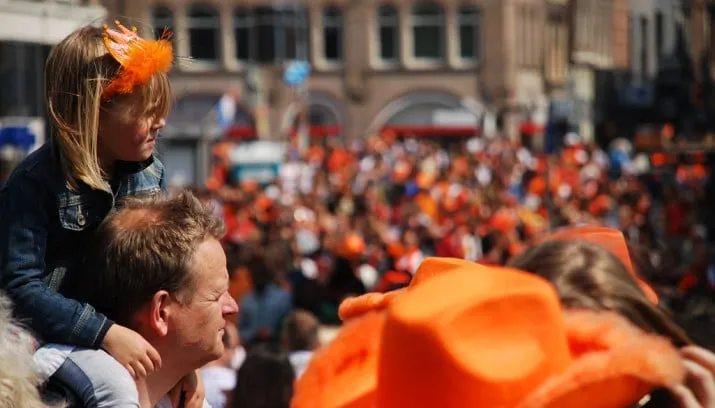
x=300 y=331
x=147 y=246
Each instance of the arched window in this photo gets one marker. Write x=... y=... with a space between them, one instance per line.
x=388 y=33
x=469 y=32
x=204 y=33
x=428 y=31
x=161 y=19
x=333 y=34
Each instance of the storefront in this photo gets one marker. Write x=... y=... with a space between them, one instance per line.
x=326 y=118
x=432 y=114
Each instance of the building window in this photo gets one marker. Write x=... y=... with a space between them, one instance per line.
x=293 y=26
x=332 y=34
x=266 y=34
x=428 y=31
x=277 y=34
x=244 y=31
x=469 y=36
x=644 y=57
x=389 y=34
x=204 y=33
x=162 y=19
x=659 y=34
x=556 y=44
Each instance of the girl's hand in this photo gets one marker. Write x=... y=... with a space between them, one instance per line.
x=699 y=388
x=193 y=388
x=132 y=351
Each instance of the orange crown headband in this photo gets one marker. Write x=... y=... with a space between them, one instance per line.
x=140 y=59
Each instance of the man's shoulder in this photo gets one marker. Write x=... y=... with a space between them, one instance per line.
x=86 y=355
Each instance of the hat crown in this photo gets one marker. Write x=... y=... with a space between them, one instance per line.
x=488 y=335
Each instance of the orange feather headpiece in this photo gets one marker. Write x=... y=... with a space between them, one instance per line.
x=140 y=59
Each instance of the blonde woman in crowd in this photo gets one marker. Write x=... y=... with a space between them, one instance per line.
x=18 y=378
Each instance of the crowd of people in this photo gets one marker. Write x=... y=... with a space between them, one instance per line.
x=344 y=220
x=461 y=269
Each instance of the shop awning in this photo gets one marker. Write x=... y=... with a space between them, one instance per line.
x=240 y=132
x=432 y=131
x=322 y=131
x=531 y=128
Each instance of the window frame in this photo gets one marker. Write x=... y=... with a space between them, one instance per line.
x=210 y=21
x=243 y=18
x=389 y=22
x=437 y=22
x=336 y=21
x=469 y=15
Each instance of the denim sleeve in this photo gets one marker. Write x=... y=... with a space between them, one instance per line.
x=25 y=208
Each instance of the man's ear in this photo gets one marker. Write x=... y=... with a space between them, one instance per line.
x=160 y=310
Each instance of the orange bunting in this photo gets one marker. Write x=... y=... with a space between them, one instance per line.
x=140 y=59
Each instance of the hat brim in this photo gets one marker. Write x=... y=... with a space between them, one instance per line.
x=430 y=268
x=615 y=365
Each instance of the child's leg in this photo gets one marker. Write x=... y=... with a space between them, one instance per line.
x=97 y=380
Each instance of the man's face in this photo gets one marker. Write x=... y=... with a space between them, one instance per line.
x=199 y=325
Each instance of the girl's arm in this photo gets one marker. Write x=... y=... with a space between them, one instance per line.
x=25 y=207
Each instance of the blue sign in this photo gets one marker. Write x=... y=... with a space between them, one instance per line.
x=296 y=73
x=18 y=137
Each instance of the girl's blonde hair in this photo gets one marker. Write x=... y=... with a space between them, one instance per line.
x=76 y=73
x=589 y=277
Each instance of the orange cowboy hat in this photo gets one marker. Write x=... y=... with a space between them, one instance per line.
x=611 y=240
x=494 y=337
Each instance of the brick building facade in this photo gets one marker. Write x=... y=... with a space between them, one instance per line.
x=420 y=67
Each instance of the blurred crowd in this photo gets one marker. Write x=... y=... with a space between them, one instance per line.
x=341 y=221
x=357 y=221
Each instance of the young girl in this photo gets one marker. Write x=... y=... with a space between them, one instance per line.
x=107 y=95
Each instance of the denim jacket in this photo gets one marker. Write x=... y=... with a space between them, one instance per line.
x=44 y=229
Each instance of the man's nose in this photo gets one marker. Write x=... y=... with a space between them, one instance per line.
x=229 y=305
